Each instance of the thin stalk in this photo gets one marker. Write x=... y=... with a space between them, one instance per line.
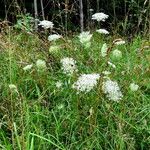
x=81 y=15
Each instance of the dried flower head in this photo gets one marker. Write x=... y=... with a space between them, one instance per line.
x=86 y=82
x=118 y=42
x=99 y=16
x=68 y=65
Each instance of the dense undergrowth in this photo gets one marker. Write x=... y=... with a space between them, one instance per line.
x=41 y=109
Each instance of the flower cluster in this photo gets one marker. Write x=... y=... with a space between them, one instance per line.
x=112 y=90
x=134 y=87
x=99 y=16
x=41 y=65
x=102 y=31
x=68 y=65
x=54 y=37
x=85 y=38
x=86 y=82
x=46 y=24
x=117 y=54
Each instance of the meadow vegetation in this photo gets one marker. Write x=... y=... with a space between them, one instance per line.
x=86 y=92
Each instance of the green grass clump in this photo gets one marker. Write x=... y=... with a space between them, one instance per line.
x=38 y=115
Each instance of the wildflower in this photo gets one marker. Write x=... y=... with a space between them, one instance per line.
x=112 y=90
x=119 y=42
x=54 y=37
x=58 y=84
x=104 y=50
x=54 y=49
x=111 y=64
x=28 y=67
x=85 y=38
x=68 y=65
x=102 y=31
x=117 y=54
x=134 y=87
x=46 y=24
x=86 y=82
x=13 y=87
x=41 y=64
x=99 y=16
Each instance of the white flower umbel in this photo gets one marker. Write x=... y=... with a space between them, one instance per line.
x=102 y=31
x=68 y=65
x=99 y=16
x=104 y=50
x=46 y=24
x=27 y=67
x=117 y=54
x=54 y=37
x=134 y=87
x=86 y=82
x=85 y=38
x=111 y=64
x=119 y=42
x=41 y=65
x=112 y=90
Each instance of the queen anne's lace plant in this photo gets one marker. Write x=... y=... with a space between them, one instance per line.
x=99 y=16
x=104 y=50
x=86 y=82
x=112 y=90
x=134 y=87
x=117 y=53
x=68 y=65
x=46 y=24
x=54 y=37
x=85 y=38
x=41 y=65
x=54 y=49
x=102 y=31
x=28 y=67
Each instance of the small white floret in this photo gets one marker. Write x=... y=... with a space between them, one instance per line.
x=134 y=87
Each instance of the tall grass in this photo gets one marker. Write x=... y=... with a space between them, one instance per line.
x=41 y=116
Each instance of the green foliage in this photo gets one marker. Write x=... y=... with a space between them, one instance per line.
x=41 y=116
